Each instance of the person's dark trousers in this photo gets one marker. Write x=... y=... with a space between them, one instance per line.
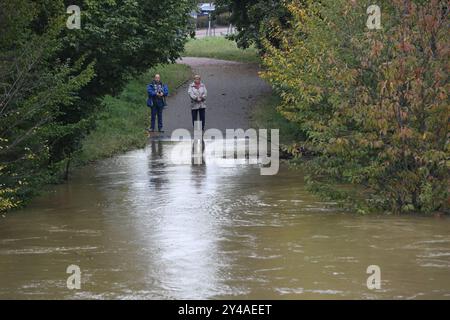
x=156 y=112
x=196 y=113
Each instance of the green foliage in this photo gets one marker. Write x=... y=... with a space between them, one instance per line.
x=265 y=115
x=52 y=79
x=373 y=103
x=219 y=48
x=255 y=19
x=124 y=38
x=35 y=88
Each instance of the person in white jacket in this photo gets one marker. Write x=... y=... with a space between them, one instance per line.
x=197 y=92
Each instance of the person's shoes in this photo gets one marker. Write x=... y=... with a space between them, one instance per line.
x=161 y=130
x=151 y=130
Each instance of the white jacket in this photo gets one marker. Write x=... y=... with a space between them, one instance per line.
x=195 y=93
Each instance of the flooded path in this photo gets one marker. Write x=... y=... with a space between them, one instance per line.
x=140 y=226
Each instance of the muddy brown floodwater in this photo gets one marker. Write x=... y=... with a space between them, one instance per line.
x=140 y=226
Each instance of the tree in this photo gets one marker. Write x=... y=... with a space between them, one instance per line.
x=373 y=103
x=123 y=38
x=255 y=19
x=34 y=86
x=53 y=79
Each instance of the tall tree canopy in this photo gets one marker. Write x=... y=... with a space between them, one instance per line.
x=373 y=103
x=52 y=78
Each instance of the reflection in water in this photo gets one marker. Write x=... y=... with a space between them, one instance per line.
x=186 y=257
x=140 y=226
x=198 y=152
x=157 y=167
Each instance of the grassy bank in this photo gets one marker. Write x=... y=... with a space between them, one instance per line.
x=120 y=126
x=219 y=48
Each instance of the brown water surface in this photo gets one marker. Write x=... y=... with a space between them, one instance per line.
x=140 y=226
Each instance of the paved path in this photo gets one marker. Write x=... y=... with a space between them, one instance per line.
x=233 y=88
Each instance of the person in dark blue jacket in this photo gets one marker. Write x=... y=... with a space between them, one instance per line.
x=157 y=93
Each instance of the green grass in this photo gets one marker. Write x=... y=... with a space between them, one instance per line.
x=265 y=116
x=219 y=48
x=120 y=126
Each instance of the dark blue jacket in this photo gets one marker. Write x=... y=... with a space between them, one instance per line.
x=153 y=99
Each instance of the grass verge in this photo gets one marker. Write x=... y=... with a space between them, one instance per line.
x=120 y=126
x=219 y=48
